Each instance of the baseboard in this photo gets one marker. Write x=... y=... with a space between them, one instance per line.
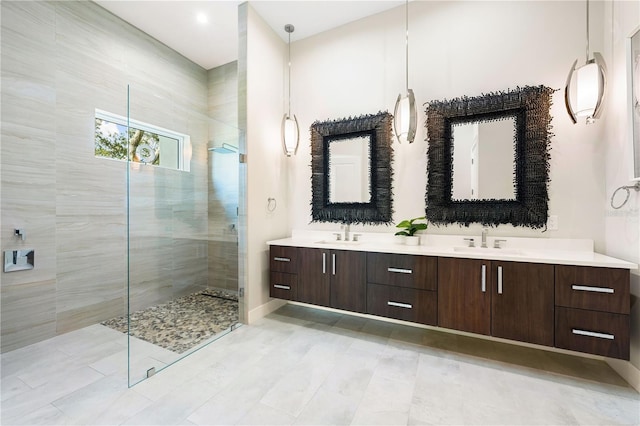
x=627 y=371
x=265 y=309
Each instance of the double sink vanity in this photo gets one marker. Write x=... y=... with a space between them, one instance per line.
x=487 y=163
x=550 y=292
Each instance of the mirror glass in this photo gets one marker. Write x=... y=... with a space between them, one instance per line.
x=349 y=172
x=483 y=160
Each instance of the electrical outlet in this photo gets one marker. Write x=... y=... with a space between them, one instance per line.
x=552 y=222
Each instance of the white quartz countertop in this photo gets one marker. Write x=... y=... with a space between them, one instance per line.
x=577 y=252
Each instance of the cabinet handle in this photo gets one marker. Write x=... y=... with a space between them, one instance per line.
x=324 y=263
x=499 y=279
x=590 y=288
x=282 y=259
x=484 y=278
x=333 y=261
x=593 y=334
x=400 y=270
x=282 y=287
x=399 y=305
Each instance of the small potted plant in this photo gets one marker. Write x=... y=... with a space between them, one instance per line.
x=410 y=228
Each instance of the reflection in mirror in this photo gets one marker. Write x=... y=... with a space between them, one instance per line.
x=349 y=173
x=483 y=159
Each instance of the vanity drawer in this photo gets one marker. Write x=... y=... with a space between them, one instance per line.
x=402 y=303
x=599 y=333
x=283 y=259
x=598 y=289
x=420 y=272
x=283 y=286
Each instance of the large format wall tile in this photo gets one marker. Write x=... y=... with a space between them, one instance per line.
x=61 y=61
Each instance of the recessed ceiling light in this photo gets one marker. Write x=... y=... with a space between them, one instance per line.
x=202 y=18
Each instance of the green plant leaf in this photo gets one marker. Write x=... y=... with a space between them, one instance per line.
x=405 y=233
x=404 y=224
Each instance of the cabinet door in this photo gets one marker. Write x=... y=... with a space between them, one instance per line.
x=348 y=286
x=522 y=302
x=313 y=276
x=464 y=298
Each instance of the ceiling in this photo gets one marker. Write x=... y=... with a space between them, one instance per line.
x=215 y=42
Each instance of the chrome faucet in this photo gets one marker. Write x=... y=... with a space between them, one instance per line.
x=346 y=231
x=484 y=238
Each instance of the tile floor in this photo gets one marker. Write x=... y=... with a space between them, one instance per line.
x=305 y=366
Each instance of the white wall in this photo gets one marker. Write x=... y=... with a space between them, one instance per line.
x=456 y=49
x=622 y=227
x=261 y=70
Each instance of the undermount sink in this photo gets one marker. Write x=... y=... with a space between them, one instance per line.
x=339 y=243
x=490 y=250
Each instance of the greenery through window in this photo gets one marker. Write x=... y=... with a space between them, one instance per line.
x=139 y=142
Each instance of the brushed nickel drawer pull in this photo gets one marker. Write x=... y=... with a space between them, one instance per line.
x=499 y=279
x=593 y=334
x=282 y=259
x=324 y=263
x=484 y=278
x=333 y=263
x=399 y=305
x=282 y=287
x=593 y=289
x=400 y=270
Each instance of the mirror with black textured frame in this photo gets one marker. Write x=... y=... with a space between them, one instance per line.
x=369 y=201
x=530 y=107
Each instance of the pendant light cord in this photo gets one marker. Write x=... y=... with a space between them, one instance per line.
x=406 y=62
x=587 y=32
x=289 y=60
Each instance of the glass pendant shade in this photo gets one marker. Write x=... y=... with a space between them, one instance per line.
x=585 y=89
x=290 y=134
x=405 y=117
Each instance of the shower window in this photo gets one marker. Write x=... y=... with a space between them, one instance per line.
x=142 y=142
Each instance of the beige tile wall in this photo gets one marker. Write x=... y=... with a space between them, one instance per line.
x=223 y=177
x=60 y=61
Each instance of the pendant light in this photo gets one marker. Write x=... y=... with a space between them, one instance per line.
x=405 y=113
x=590 y=85
x=290 y=130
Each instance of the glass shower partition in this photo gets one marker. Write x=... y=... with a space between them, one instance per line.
x=182 y=245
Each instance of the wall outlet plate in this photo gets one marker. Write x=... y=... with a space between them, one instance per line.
x=552 y=222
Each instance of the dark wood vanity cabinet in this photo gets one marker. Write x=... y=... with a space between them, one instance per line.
x=511 y=300
x=402 y=287
x=592 y=310
x=334 y=278
x=579 y=308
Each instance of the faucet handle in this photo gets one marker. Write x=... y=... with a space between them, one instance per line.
x=355 y=237
x=496 y=243
x=338 y=236
x=472 y=242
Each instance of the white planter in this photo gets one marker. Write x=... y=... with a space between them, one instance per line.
x=413 y=240
x=400 y=239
